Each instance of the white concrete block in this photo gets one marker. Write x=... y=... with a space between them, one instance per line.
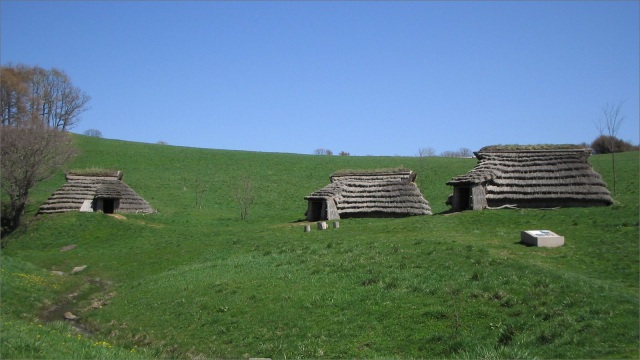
x=541 y=238
x=87 y=206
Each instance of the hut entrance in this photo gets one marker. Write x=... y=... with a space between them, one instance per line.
x=462 y=198
x=314 y=212
x=108 y=206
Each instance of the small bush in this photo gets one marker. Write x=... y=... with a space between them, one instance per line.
x=93 y=133
x=607 y=144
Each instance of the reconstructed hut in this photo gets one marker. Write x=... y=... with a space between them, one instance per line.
x=538 y=176
x=379 y=193
x=98 y=190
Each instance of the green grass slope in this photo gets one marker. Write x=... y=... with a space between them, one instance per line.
x=194 y=280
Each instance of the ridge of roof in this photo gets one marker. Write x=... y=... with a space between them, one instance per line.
x=365 y=172
x=95 y=172
x=533 y=148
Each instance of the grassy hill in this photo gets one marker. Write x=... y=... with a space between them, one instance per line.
x=194 y=280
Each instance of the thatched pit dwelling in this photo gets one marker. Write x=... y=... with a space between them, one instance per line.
x=535 y=176
x=95 y=191
x=377 y=193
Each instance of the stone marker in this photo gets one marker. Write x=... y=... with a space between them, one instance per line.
x=322 y=225
x=307 y=228
x=541 y=238
x=336 y=224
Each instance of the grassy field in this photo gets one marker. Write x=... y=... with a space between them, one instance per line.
x=196 y=281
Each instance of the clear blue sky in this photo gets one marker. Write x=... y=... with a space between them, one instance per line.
x=369 y=78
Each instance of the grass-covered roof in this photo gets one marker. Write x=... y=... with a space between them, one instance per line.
x=537 y=147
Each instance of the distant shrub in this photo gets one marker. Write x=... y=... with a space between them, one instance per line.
x=428 y=151
x=245 y=196
x=604 y=144
x=93 y=133
x=322 y=151
x=461 y=153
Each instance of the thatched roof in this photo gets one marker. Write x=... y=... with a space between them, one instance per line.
x=534 y=176
x=509 y=148
x=388 y=192
x=83 y=186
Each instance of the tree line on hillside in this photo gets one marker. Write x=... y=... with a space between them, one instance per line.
x=323 y=151
x=462 y=152
x=603 y=144
x=424 y=152
x=37 y=107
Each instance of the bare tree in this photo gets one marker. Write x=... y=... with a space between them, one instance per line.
x=245 y=196
x=13 y=94
x=29 y=152
x=449 y=153
x=36 y=107
x=461 y=153
x=93 y=133
x=465 y=152
x=344 y=153
x=200 y=187
x=609 y=123
x=322 y=151
x=32 y=92
x=428 y=151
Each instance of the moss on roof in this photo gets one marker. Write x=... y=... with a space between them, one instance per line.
x=94 y=172
x=345 y=172
x=515 y=147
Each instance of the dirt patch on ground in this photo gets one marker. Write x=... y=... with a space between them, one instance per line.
x=122 y=217
x=94 y=294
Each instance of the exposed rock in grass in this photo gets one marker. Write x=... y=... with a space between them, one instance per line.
x=68 y=247
x=78 y=269
x=69 y=316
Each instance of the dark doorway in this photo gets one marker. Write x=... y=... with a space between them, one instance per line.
x=464 y=198
x=108 y=206
x=315 y=211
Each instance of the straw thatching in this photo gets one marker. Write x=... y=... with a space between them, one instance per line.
x=98 y=190
x=381 y=193
x=531 y=177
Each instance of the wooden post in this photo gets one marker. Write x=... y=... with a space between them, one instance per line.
x=478 y=197
x=322 y=225
x=336 y=224
x=307 y=228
